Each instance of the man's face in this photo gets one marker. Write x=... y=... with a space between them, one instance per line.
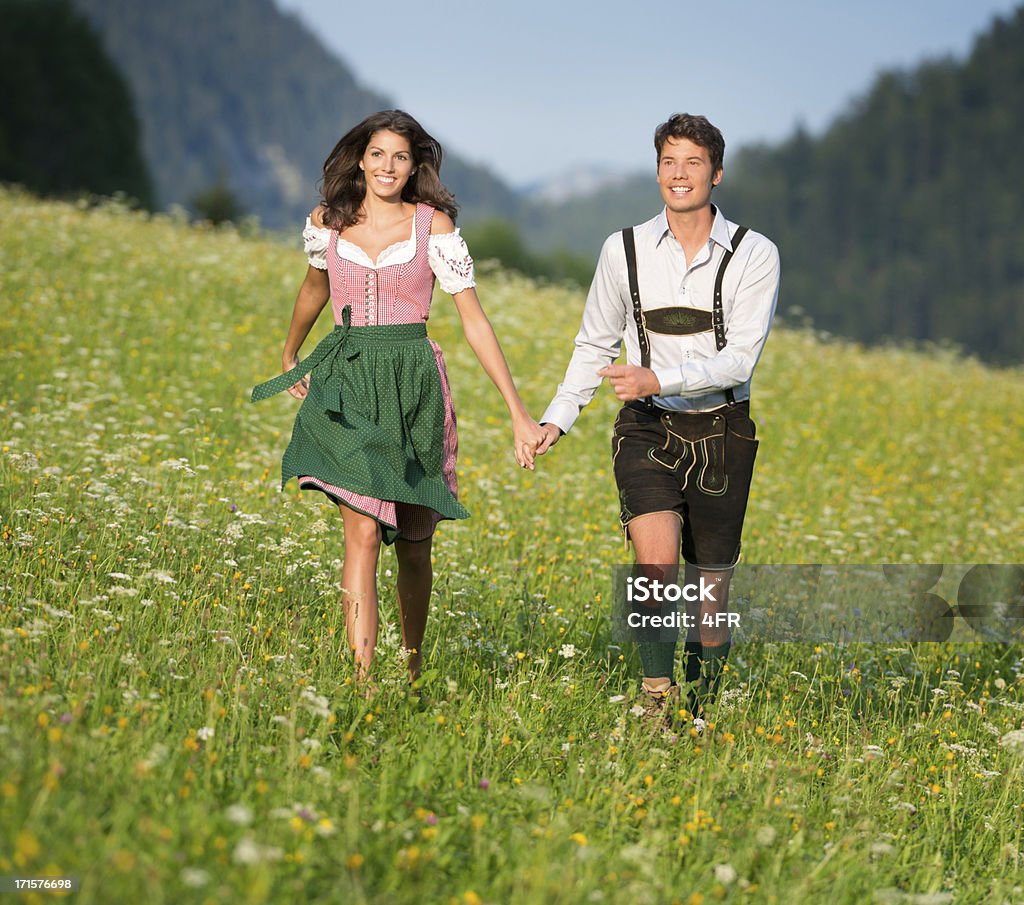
x=685 y=176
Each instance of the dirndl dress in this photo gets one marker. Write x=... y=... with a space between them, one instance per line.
x=377 y=429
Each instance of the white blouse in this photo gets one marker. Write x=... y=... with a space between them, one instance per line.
x=447 y=254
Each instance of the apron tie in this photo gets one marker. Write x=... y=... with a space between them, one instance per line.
x=325 y=356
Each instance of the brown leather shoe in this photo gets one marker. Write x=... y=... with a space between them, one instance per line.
x=659 y=707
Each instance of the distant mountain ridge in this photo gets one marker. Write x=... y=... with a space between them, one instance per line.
x=577 y=181
x=240 y=93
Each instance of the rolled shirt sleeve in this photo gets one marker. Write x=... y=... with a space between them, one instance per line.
x=598 y=341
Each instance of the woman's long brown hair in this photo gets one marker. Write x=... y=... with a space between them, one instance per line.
x=344 y=183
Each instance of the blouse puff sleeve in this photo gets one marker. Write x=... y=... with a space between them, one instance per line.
x=449 y=258
x=314 y=243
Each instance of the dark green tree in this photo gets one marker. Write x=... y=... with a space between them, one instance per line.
x=500 y=240
x=903 y=219
x=217 y=204
x=66 y=122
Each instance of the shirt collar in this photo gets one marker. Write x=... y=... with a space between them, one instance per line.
x=719 y=228
x=660 y=227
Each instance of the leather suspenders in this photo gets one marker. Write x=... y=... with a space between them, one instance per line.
x=634 y=294
x=717 y=317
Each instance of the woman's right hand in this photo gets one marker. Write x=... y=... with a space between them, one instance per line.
x=300 y=389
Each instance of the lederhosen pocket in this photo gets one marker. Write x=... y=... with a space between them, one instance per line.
x=695 y=439
x=741 y=445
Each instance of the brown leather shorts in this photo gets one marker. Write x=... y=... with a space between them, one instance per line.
x=695 y=464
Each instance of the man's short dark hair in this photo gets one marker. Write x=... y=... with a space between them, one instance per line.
x=698 y=130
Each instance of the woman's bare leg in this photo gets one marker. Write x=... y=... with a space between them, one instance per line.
x=359 y=583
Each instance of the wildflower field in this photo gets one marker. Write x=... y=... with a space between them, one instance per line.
x=177 y=717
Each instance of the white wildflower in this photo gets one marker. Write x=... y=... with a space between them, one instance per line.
x=239 y=814
x=568 y=651
x=205 y=733
x=1013 y=741
x=194 y=877
x=250 y=852
x=118 y=591
x=725 y=874
x=317 y=704
x=882 y=849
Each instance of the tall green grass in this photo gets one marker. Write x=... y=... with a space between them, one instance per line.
x=177 y=717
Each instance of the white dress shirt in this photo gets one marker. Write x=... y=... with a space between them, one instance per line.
x=693 y=374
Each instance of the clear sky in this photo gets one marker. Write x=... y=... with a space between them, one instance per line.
x=533 y=88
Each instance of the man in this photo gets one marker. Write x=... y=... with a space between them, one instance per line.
x=683 y=444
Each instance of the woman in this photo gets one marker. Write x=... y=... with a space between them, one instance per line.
x=376 y=429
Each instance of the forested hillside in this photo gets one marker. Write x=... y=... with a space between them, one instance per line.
x=237 y=93
x=66 y=124
x=903 y=219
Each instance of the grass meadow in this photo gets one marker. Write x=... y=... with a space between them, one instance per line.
x=177 y=717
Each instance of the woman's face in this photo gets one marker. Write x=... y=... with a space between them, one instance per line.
x=387 y=164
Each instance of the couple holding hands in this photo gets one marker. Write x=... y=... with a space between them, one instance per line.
x=689 y=293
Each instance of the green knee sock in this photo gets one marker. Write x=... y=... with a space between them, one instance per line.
x=691 y=655
x=712 y=662
x=658 y=658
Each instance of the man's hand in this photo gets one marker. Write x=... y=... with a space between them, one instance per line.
x=631 y=382
x=552 y=433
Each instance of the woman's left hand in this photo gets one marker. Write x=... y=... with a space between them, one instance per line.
x=528 y=436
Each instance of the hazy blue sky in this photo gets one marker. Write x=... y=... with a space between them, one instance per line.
x=532 y=88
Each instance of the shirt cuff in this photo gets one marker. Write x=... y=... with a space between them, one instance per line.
x=561 y=414
x=671 y=380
